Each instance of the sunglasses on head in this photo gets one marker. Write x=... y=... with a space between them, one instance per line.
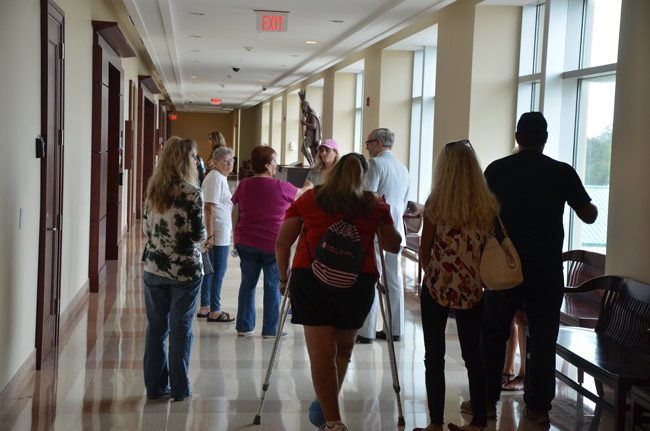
x=461 y=142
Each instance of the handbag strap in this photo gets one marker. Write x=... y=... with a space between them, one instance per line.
x=503 y=228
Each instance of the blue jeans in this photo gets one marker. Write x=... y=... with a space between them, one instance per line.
x=252 y=261
x=170 y=308
x=211 y=286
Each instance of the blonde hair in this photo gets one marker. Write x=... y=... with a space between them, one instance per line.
x=319 y=165
x=460 y=196
x=176 y=164
x=217 y=139
x=342 y=191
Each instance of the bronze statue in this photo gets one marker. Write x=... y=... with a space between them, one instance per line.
x=311 y=132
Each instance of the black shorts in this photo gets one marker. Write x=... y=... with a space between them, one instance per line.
x=315 y=305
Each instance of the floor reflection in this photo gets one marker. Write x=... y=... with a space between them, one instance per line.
x=96 y=383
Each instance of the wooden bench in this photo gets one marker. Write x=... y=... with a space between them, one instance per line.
x=617 y=352
x=581 y=309
x=412 y=219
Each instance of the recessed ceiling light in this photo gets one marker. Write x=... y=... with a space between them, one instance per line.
x=336 y=21
x=263 y=80
x=248 y=48
x=196 y=36
x=295 y=55
x=196 y=13
x=311 y=42
x=193 y=77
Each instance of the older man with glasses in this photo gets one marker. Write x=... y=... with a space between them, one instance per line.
x=389 y=178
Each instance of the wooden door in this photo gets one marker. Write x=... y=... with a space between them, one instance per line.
x=115 y=168
x=49 y=255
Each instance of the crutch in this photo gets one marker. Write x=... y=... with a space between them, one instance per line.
x=284 y=310
x=382 y=287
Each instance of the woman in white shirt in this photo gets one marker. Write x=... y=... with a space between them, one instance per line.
x=218 y=224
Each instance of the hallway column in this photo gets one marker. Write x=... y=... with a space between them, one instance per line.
x=628 y=230
x=453 y=73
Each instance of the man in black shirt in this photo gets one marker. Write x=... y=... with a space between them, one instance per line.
x=532 y=189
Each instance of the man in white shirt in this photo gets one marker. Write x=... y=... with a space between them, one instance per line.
x=389 y=178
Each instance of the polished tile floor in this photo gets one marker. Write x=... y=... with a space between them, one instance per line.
x=96 y=382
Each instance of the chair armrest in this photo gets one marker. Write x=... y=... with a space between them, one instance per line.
x=598 y=283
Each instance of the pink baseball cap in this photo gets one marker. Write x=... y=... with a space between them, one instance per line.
x=329 y=143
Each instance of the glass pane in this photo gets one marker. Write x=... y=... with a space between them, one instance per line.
x=358 y=120
x=593 y=150
x=414 y=148
x=417 y=74
x=601 y=26
x=532 y=34
x=539 y=36
x=358 y=97
x=528 y=97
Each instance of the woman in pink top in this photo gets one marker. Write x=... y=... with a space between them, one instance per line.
x=259 y=206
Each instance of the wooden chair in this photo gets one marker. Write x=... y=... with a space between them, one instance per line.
x=581 y=309
x=617 y=352
x=412 y=219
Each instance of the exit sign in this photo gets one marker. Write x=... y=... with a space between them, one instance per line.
x=270 y=21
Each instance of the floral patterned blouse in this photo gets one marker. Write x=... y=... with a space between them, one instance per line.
x=174 y=236
x=452 y=276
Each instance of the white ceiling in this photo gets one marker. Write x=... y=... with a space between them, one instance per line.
x=195 y=44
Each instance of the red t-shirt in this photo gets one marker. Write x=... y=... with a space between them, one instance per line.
x=316 y=222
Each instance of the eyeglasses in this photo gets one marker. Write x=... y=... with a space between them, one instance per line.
x=227 y=161
x=369 y=141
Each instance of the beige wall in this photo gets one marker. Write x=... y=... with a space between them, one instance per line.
x=19 y=182
x=495 y=65
x=395 y=109
x=628 y=230
x=292 y=136
x=197 y=125
x=249 y=136
x=343 y=118
x=20 y=123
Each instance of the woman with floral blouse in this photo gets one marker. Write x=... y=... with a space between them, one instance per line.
x=173 y=269
x=459 y=215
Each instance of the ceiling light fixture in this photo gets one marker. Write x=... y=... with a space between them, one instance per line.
x=196 y=13
x=248 y=48
x=195 y=50
x=311 y=42
x=196 y=36
x=336 y=21
x=193 y=76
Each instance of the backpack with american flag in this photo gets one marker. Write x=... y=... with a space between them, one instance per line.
x=338 y=256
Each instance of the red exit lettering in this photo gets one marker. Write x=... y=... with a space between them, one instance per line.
x=272 y=22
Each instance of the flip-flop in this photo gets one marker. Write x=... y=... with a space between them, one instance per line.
x=223 y=317
x=516 y=384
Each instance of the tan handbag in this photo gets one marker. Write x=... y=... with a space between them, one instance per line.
x=500 y=264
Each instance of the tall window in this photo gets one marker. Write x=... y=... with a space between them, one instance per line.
x=530 y=59
x=358 y=112
x=571 y=77
x=421 y=139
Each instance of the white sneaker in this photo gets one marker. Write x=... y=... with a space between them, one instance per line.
x=245 y=334
x=268 y=337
